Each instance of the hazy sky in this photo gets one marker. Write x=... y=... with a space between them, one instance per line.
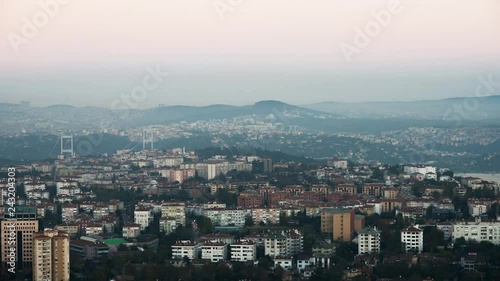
x=91 y=52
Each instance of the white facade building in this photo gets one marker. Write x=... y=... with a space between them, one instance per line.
x=420 y=169
x=214 y=251
x=224 y=217
x=243 y=251
x=369 y=241
x=168 y=225
x=477 y=209
x=275 y=245
x=294 y=242
x=185 y=248
x=412 y=239
x=477 y=231
x=143 y=216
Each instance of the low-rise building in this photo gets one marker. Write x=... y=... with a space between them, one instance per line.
x=185 y=248
x=88 y=249
x=284 y=262
x=214 y=251
x=131 y=230
x=477 y=231
x=243 y=250
x=224 y=217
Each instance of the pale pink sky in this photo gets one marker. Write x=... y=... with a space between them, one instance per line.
x=259 y=33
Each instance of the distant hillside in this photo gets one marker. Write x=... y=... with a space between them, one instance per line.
x=487 y=108
x=169 y=114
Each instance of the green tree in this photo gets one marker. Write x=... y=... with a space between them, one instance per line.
x=249 y=221
x=433 y=238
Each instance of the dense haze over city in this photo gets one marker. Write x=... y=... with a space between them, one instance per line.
x=249 y=140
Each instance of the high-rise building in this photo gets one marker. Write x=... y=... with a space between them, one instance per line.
x=175 y=210
x=268 y=164
x=412 y=239
x=51 y=255
x=339 y=222
x=369 y=241
x=275 y=245
x=16 y=236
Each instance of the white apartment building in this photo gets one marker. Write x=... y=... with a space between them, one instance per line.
x=243 y=250
x=213 y=205
x=32 y=185
x=446 y=228
x=275 y=245
x=168 y=225
x=421 y=169
x=38 y=194
x=214 y=251
x=477 y=231
x=185 y=248
x=224 y=217
x=369 y=241
x=143 y=216
x=294 y=242
x=283 y=262
x=477 y=209
x=168 y=162
x=338 y=163
x=412 y=239
x=213 y=168
x=65 y=183
x=175 y=210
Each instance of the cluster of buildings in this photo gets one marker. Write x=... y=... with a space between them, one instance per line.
x=280 y=246
x=46 y=253
x=345 y=194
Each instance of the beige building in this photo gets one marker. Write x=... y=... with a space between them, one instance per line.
x=21 y=227
x=389 y=205
x=175 y=210
x=390 y=192
x=373 y=189
x=51 y=255
x=359 y=222
x=131 y=230
x=346 y=188
x=71 y=229
x=339 y=222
